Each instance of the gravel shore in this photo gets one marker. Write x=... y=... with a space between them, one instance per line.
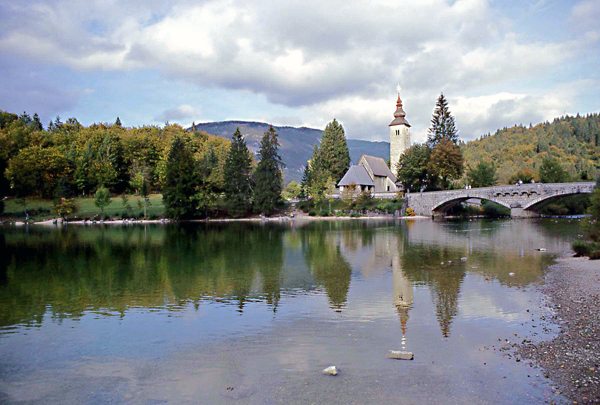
x=572 y=358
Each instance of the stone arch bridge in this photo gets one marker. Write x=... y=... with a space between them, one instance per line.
x=524 y=201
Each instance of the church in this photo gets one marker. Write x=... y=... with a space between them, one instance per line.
x=372 y=173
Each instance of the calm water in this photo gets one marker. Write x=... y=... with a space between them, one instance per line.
x=250 y=313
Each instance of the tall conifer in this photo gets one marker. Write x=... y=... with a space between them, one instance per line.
x=267 y=191
x=442 y=124
x=334 y=154
x=238 y=186
x=182 y=178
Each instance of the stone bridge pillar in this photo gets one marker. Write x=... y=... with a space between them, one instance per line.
x=518 y=212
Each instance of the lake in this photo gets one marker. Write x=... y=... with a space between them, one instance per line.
x=251 y=312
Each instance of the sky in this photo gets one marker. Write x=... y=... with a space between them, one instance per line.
x=301 y=63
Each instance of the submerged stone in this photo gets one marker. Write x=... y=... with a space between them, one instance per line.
x=399 y=355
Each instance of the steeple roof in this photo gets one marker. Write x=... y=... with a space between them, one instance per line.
x=399 y=115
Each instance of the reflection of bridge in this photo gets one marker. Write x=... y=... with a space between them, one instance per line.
x=524 y=200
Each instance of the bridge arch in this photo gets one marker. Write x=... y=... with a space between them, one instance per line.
x=542 y=201
x=448 y=203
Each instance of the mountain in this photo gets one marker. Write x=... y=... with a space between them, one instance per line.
x=574 y=141
x=296 y=144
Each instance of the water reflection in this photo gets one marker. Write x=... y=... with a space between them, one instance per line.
x=68 y=272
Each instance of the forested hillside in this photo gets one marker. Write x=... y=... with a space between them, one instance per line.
x=574 y=141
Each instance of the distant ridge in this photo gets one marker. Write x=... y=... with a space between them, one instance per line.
x=296 y=143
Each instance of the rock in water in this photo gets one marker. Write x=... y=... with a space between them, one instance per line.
x=399 y=355
x=331 y=370
x=541 y=249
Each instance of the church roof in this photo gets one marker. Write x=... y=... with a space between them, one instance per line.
x=378 y=167
x=356 y=175
x=399 y=115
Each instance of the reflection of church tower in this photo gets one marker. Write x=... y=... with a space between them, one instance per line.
x=403 y=293
x=399 y=134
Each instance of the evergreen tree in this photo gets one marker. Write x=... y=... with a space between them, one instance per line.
x=181 y=180
x=304 y=184
x=442 y=124
x=238 y=185
x=268 y=179
x=118 y=122
x=334 y=154
x=36 y=124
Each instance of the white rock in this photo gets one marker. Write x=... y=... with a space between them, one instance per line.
x=399 y=355
x=541 y=249
x=331 y=370
x=464 y=259
x=511 y=274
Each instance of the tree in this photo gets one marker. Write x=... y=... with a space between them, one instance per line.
x=292 y=190
x=64 y=207
x=118 y=122
x=36 y=170
x=102 y=198
x=304 y=184
x=267 y=178
x=442 y=124
x=412 y=168
x=526 y=175
x=334 y=154
x=482 y=175
x=551 y=171
x=181 y=181
x=36 y=124
x=446 y=162
x=238 y=182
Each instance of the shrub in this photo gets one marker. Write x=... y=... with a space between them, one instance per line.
x=364 y=201
x=312 y=213
x=410 y=212
x=581 y=248
x=124 y=215
x=324 y=213
x=491 y=209
x=153 y=217
x=355 y=215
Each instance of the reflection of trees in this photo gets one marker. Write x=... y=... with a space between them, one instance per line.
x=423 y=265
x=112 y=269
x=329 y=267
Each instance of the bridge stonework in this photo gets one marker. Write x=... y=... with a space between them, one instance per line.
x=524 y=201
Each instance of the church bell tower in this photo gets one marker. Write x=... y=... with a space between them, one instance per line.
x=399 y=134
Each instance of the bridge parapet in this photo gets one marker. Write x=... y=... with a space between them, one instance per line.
x=521 y=199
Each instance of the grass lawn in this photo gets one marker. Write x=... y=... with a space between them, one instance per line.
x=87 y=208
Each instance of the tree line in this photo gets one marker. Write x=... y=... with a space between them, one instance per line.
x=195 y=171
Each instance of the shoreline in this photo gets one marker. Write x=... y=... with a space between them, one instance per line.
x=301 y=218
x=572 y=358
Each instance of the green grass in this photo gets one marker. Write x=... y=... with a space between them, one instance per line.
x=87 y=209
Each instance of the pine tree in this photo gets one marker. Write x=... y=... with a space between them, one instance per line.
x=268 y=179
x=442 y=124
x=304 y=184
x=37 y=124
x=118 y=122
x=238 y=186
x=334 y=154
x=181 y=181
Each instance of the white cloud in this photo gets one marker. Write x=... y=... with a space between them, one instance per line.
x=178 y=114
x=323 y=59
